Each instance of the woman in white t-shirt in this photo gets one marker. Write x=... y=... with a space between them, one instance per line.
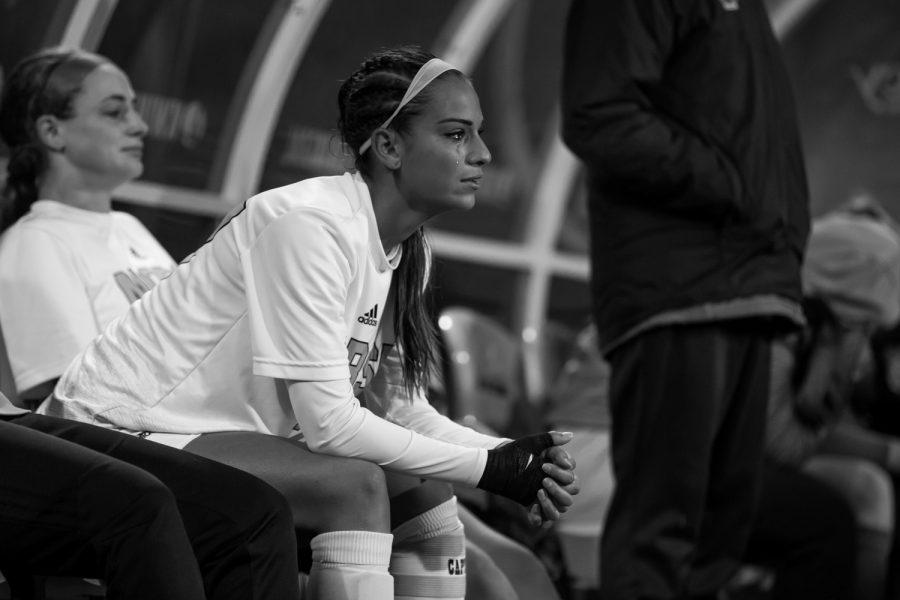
x=69 y=264
x=151 y=521
x=300 y=330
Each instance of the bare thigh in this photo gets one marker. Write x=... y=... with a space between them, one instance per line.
x=523 y=569
x=325 y=493
x=484 y=579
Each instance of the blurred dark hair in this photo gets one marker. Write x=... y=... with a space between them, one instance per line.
x=44 y=83
x=365 y=100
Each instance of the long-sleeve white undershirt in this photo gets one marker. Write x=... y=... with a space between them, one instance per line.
x=421 y=442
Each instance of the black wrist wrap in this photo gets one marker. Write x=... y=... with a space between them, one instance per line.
x=508 y=472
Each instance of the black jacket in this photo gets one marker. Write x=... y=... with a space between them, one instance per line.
x=683 y=113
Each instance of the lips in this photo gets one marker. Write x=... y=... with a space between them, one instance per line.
x=475 y=182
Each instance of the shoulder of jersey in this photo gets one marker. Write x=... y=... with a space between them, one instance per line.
x=319 y=193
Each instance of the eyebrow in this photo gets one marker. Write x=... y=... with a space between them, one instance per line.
x=117 y=98
x=458 y=120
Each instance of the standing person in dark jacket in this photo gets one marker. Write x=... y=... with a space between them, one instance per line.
x=683 y=114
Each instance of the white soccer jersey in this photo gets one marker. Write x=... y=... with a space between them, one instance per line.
x=293 y=286
x=65 y=273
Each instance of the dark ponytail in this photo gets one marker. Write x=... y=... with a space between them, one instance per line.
x=44 y=83
x=365 y=100
x=414 y=326
x=26 y=163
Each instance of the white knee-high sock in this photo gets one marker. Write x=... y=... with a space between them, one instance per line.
x=350 y=565
x=429 y=558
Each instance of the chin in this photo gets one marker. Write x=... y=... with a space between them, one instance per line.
x=467 y=203
x=458 y=205
x=135 y=171
x=435 y=207
x=463 y=201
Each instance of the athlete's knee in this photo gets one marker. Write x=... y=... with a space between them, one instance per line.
x=252 y=507
x=117 y=496
x=369 y=479
x=864 y=485
x=360 y=486
x=275 y=509
x=262 y=532
x=351 y=496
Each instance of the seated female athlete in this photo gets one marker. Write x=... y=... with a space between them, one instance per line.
x=298 y=337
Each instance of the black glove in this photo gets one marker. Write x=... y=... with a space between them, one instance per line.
x=514 y=469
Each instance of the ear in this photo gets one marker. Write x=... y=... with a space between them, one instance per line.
x=49 y=131
x=386 y=146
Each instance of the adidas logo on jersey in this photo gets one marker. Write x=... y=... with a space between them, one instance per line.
x=370 y=318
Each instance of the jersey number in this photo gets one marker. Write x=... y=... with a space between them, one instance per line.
x=363 y=363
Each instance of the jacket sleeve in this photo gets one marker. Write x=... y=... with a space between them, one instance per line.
x=613 y=95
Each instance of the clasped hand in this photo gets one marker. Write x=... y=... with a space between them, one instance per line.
x=536 y=472
x=560 y=484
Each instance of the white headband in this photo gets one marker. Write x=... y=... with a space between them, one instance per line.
x=428 y=72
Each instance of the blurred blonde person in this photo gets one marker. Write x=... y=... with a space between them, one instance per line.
x=74 y=498
x=69 y=264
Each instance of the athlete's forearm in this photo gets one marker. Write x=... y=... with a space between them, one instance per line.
x=333 y=422
x=423 y=418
